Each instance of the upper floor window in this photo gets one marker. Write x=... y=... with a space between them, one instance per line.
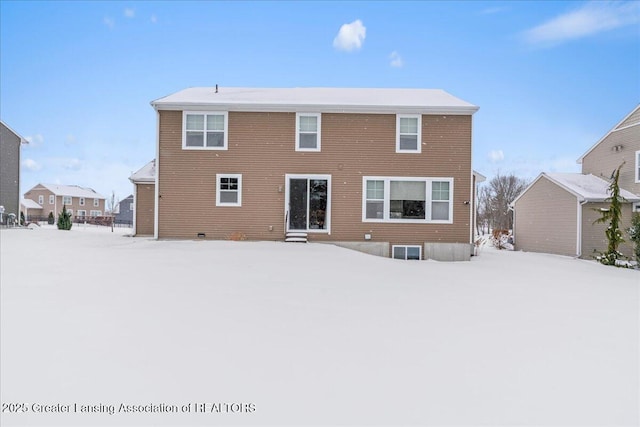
x=308 y=131
x=206 y=131
x=228 y=190
x=408 y=134
x=41 y=200
x=638 y=166
x=403 y=199
x=52 y=199
x=67 y=200
x=81 y=201
x=96 y=203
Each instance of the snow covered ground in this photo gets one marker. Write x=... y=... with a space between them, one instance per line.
x=295 y=334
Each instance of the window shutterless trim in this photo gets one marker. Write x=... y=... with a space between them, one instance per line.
x=637 y=171
x=219 y=176
x=65 y=198
x=318 y=132
x=387 y=199
x=418 y=134
x=225 y=115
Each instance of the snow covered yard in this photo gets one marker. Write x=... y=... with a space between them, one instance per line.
x=312 y=334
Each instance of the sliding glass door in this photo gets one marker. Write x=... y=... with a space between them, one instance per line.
x=308 y=203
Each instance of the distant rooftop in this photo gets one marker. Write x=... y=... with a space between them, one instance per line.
x=72 y=191
x=375 y=100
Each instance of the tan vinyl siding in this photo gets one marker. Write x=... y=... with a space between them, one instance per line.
x=593 y=237
x=546 y=220
x=634 y=118
x=144 y=209
x=262 y=149
x=604 y=158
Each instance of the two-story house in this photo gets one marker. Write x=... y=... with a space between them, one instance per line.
x=124 y=211
x=80 y=202
x=556 y=212
x=385 y=171
x=10 y=143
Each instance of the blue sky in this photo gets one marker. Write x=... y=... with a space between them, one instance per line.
x=76 y=78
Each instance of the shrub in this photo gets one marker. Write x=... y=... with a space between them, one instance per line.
x=51 y=219
x=64 y=219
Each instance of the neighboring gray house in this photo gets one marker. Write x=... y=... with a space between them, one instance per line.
x=556 y=212
x=10 y=142
x=125 y=210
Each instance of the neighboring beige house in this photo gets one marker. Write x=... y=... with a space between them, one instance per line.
x=385 y=171
x=81 y=202
x=10 y=144
x=144 y=183
x=556 y=212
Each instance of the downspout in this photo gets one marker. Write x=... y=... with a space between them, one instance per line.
x=157 y=179
x=135 y=207
x=579 y=228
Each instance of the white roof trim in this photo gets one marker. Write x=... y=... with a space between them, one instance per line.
x=145 y=175
x=22 y=140
x=613 y=129
x=30 y=204
x=323 y=100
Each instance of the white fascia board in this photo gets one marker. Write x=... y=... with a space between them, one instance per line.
x=314 y=108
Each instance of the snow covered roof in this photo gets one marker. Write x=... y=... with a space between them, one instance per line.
x=72 y=190
x=587 y=188
x=30 y=204
x=145 y=174
x=319 y=99
x=613 y=129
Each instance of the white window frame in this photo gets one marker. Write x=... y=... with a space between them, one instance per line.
x=82 y=213
x=225 y=115
x=67 y=198
x=387 y=200
x=318 y=131
x=131 y=206
x=96 y=203
x=419 y=134
x=635 y=207
x=219 y=176
x=81 y=202
x=52 y=199
x=393 y=249
x=41 y=199
x=637 y=171
x=95 y=213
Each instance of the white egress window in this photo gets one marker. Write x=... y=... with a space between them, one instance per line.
x=407 y=252
x=205 y=131
x=229 y=190
x=308 y=132
x=408 y=134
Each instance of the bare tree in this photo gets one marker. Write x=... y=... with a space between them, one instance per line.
x=113 y=203
x=494 y=199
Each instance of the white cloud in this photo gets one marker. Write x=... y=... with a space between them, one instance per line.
x=129 y=13
x=31 y=165
x=396 y=60
x=496 y=156
x=154 y=19
x=351 y=36
x=591 y=18
x=109 y=22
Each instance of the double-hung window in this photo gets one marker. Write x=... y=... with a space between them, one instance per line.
x=204 y=131
x=408 y=134
x=67 y=200
x=82 y=213
x=308 y=131
x=407 y=200
x=81 y=201
x=96 y=203
x=41 y=200
x=52 y=199
x=228 y=190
